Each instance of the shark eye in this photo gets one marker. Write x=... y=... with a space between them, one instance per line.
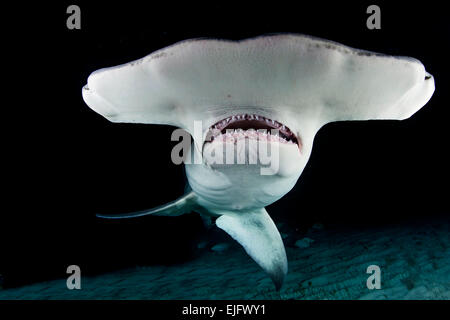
x=427 y=77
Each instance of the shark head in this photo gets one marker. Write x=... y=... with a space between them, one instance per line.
x=267 y=93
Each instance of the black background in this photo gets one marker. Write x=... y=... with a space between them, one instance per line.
x=63 y=162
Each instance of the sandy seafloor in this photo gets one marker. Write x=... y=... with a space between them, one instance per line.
x=414 y=259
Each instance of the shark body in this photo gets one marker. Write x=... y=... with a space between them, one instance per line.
x=293 y=84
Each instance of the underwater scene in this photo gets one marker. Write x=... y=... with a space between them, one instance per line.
x=323 y=264
x=304 y=158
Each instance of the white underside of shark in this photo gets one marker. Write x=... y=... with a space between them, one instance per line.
x=293 y=83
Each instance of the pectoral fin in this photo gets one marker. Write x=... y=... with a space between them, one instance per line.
x=182 y=205
x=257 y=233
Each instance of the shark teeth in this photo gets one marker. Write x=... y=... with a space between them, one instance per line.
x=230 y=127
x=234 y=136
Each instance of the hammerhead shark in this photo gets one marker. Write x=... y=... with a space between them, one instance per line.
x=278 y=89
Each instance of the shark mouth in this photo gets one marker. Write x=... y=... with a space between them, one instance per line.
x=251 y=126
